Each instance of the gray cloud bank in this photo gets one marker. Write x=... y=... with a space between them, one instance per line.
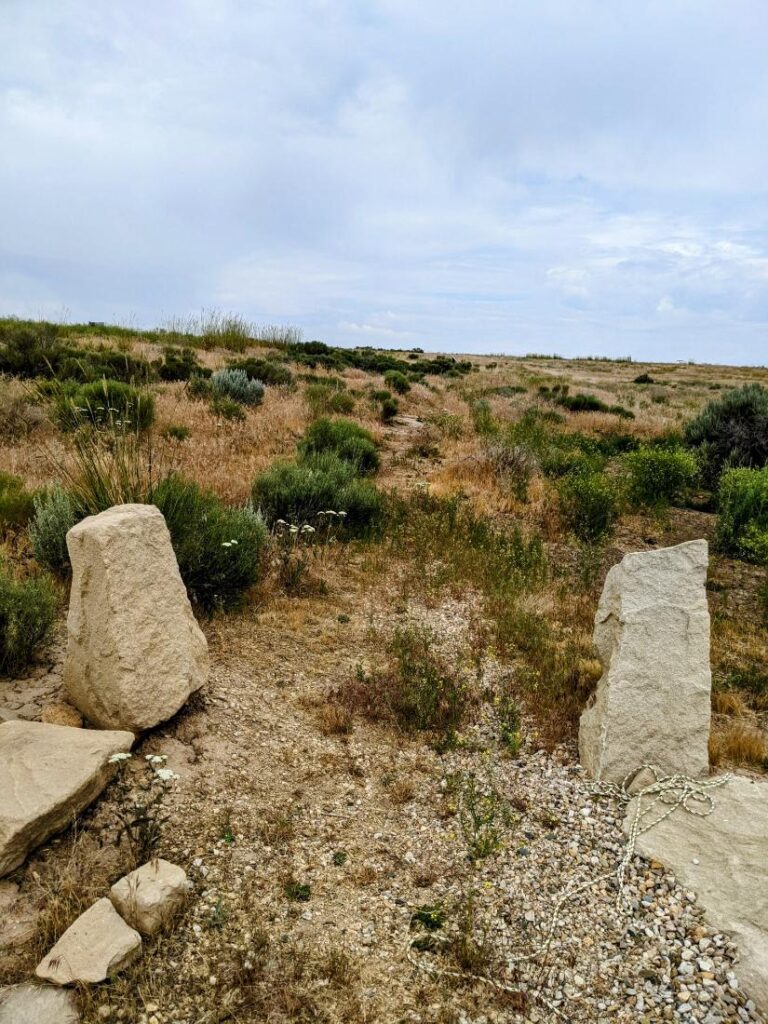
x=556 y=176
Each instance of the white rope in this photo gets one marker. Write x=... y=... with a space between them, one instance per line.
x=671 y=791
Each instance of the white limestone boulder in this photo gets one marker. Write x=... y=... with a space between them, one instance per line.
x=97 y=946
x=135 y=652
x=48 y=775
x=151 y=896
x=37 y=1004
x=652 y=704
x=723 y=858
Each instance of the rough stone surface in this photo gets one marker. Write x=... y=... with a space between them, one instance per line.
x=48 y=774
x=135 y=652
x=150 y=896
x=652 y=703
x=724 y=858
x=37 y=1004
x=61 y=713
x=95 y=947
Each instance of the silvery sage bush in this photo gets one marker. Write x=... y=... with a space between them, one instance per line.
x=237 y=385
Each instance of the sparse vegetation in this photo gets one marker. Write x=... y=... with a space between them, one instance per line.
x=298 y=491
x=27 y=611
x=742 y=525
x=657 y=477
x=16 y=503
x=417 y=689
x=343 y=438
x=590 y=504
x=219 y=549
x=731 y=432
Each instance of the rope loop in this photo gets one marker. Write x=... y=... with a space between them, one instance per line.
x=672 y=792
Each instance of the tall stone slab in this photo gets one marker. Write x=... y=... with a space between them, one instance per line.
x=652 y=704
x=135 y=652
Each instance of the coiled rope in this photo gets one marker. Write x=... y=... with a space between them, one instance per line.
x=670 y=792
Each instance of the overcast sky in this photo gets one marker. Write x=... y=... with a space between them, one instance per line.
x=572 y=176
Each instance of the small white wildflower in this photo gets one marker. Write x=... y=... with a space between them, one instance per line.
x=280 y=522
x=294 y=529
x=233 y=541
x=306 y=528
x=342 y=514
x=165 y=774
x=227 y=544
x=116 y=758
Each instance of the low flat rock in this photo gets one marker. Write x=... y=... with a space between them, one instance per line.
x=48 y=775
x=724 y=858
x=37 y=1004
x=151 y=896
x=94 y=948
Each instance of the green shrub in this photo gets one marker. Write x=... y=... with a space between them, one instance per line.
x=659 y=476
x=227 y=408
x=219 y=548
x=389 y=409
x=30 y=349
x=180 y=364
x=591 y=403
x=341 y=402
x=350 y=442
x=199 y=387
x=643 y=378
x=27 y=614
x=483 y=419
x=268 y=371
x=105 y=403
x=589 y=503
x=742 y=526
x=732 y=432
x=177 y=432
x=55 y=515
x=16 y=503
x=298 y=491
x=237 y=386
x=323 y=398
x=397 y=381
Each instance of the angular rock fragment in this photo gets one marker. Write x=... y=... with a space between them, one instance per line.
x=135 y=652
x=723 y=857
x=98 y=945
x=151 y=896
x=652 y=704
x=37 y=1004
x=48 y=775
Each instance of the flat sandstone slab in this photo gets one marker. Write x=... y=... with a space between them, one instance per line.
x=48 y=775
x=37 y=1004
x=96 y=946
x=724 y=859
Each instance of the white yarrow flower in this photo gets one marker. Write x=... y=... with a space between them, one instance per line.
x=116 y=758
x=165 y=774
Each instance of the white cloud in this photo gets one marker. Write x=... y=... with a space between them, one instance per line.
x=542 y=175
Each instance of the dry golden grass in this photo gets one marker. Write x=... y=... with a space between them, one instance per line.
x=226 y=456
x=738 y=742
